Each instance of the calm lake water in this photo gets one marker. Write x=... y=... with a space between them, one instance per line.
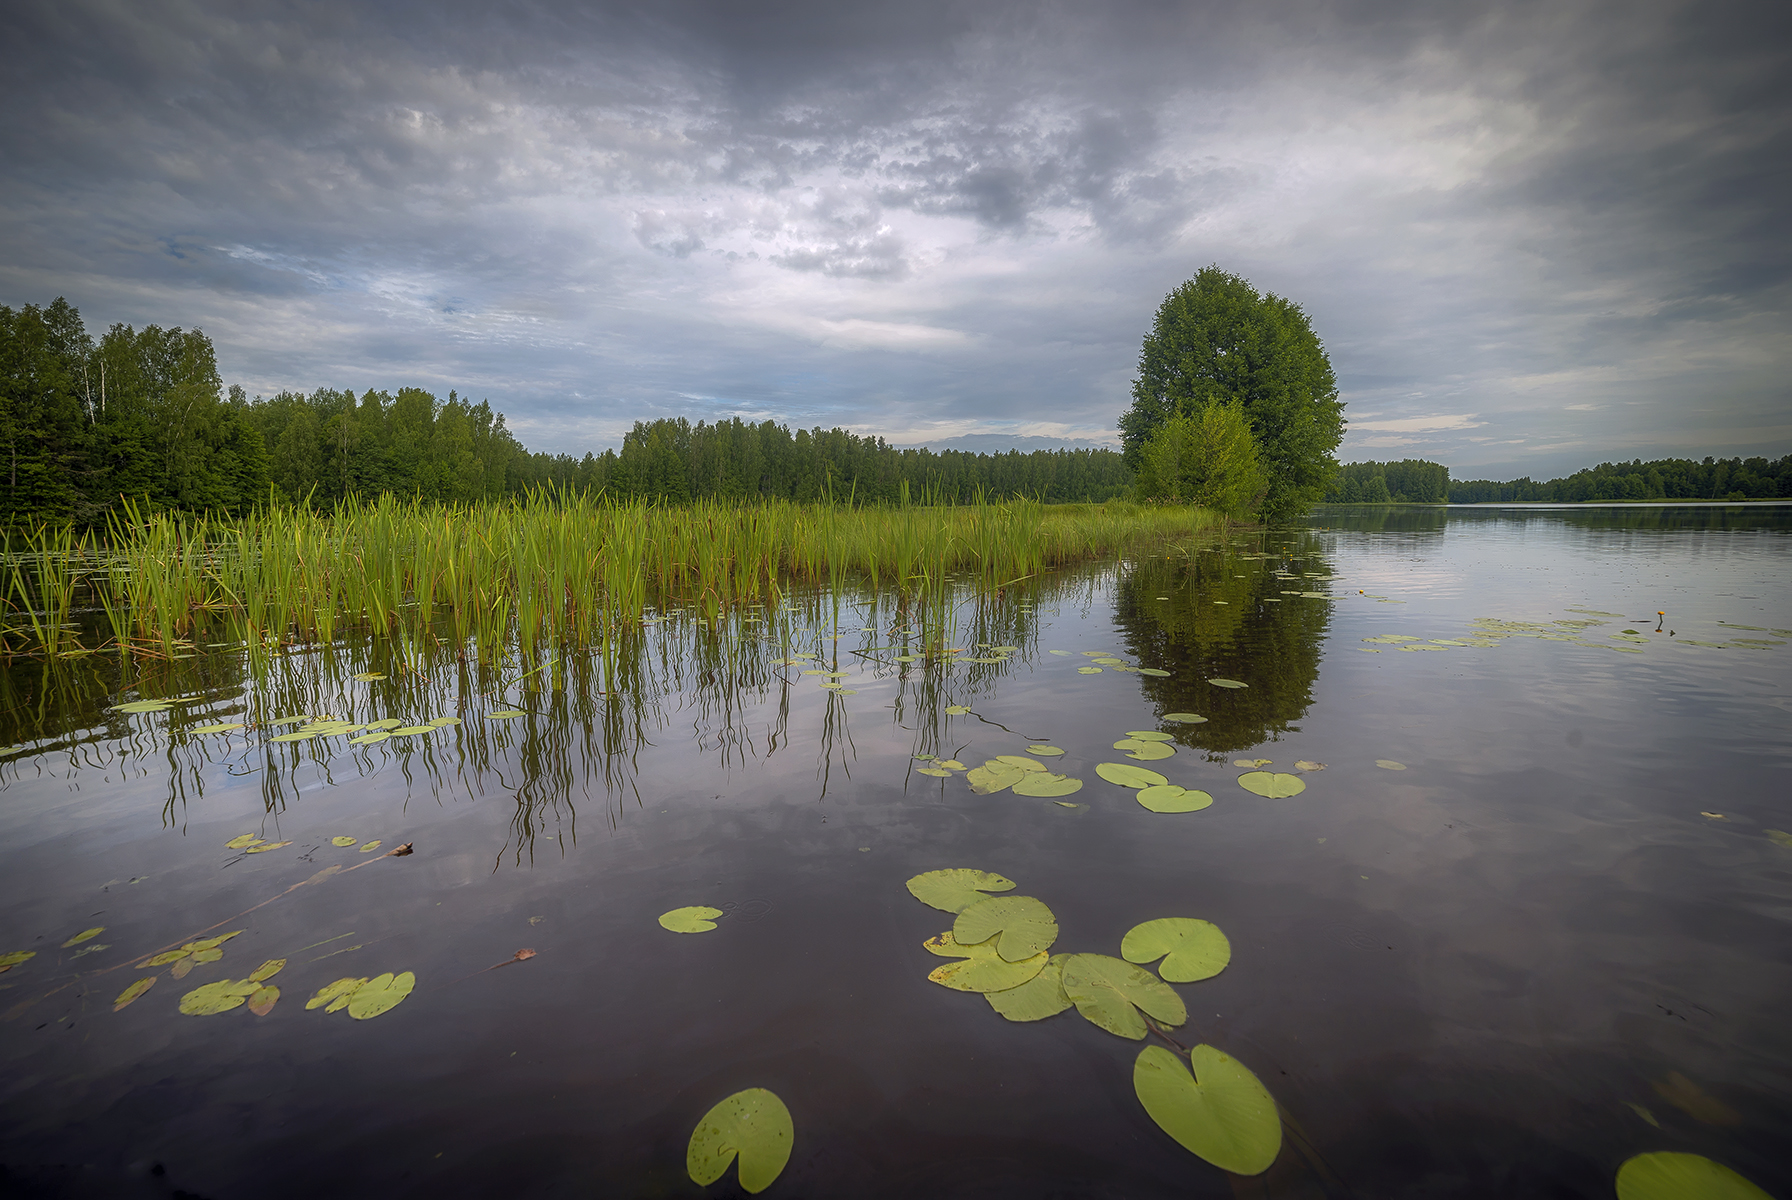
x=1557 y=938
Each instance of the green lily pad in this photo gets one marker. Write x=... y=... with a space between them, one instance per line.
x=221 y=727
x=389 y=723
x=1186 y=718
x=301 y=736
x=335 y=995
x=993 y=777
x=1274 y=785
x=143 y=706
x=1108 y=662
x=370 y=846
x=980 y=968
x=693 y=918
x=1038 y=998
x=1251 y=763
x=1227 y=683
x=1143 y=750
x=262 y=1000
x=1020 y=926
x=1223 y=1113
x=1780 y=837
x=1109 y=992
x=957 y=710
x=279 y=721
x=369 y=676
x=411 y=730
x=134 y=991
x=753 y=1124
x=13 y=958
x=504 y=714
x=1388 y=764
x=1088 y=670
x=1191 y=949
x=265 y=848
x=934 y=771
x=1671 y=1175
x=380 y=994
x=1169 y=798
x=442 y=722
x=1150 y=735
x=1045 y=751
x=949 y=764
x=343 y=841
x=368 y=739
x=1016 y=761
x=84 y=935
x=213 y=998
x=1047 y=785
x=1153 y=671
x=1128 y=776
x=267 y=970
x=956 y=888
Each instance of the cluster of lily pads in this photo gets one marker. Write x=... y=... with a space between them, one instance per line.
x=1100 y=660
x=1488 y=632
x=1001 y=950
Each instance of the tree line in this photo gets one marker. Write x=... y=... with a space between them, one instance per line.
x=1662 y=479
x=1409 y=481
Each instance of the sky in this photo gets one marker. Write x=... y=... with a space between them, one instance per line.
x=1532 y=236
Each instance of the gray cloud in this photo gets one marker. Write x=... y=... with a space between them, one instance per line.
x=1530 y=234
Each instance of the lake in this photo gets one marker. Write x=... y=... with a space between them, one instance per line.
x=1528 y=920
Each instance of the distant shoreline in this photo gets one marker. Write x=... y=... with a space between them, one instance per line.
x=1575 y=503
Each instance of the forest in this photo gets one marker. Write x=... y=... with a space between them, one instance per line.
x=1663 y=479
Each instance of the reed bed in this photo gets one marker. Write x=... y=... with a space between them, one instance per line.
x=544 y=572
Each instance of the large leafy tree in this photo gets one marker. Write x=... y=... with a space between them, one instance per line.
x=1216 y=339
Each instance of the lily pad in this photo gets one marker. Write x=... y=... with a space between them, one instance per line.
x=343 y=841
x=1018 y=926
x=1227 y=683
x=934 y=771
x=411 y=730
x=1780 y=837
x=1223 y=1113
x=993 y=777
x=1168 y=798
x=693 y=918
x=1047 y=785
x=1185 y=718
x=279 y=721
x=143 y=706
x=370 y=846
x=753 y=1124
x=1110 y=992
x=1154 y=671
x=368 y=739
x=1251 y=763
x=1045 y=751
x=949 y=764
x=442 y=722
x=213 y=998
x=956 y=888
x=980 y=968
x=13 y=958
x=1272 y=785
x=1192 y=949
x=369 y=676
x=1088 y=670
x=1016 y=761
x=1309 y=766
x=1150 y=735
x=335 y=995
x=134 y=991
x=1671 y=1175
x=380 y=994
x=1143 y=750
x=84 y=935
x=957 y=710
x=267 y=970
x=301 y=736
x=1388 y=764
x=221 y=727
x=265 y=848
x=1128 y=776
x=262 y=1000
x=1038 y=998
x=504 y=714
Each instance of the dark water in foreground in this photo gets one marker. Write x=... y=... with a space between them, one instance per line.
x=1498 y=972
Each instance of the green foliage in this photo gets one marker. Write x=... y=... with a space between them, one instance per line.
x=1409 y=481
x=1216 y=338
x=1207 y=458
x=1663 y=479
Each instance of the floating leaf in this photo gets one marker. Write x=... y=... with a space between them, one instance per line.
x=1154 y=671
x=1149 y=735
x=261 y=1000
x=84 y=935
x=242 y=840
x=183 y=964
x=368 y=739
x=1045 y=751
x=412 y=730
x=1185 y=718
x=1061 y=653
x=1304 y=765
x=1223 y=1113
x=1020 y=926
x=1168 y=798
x=1047 y=785
x=1128 y=776
x=504 y=714
x=753 y=1124
x=1273 y=785
x=134 y=991
x=1088 y=670
x=380 y=994
x=300 y=736
x=371 y=846
x=1144 y=751
x=956 y=888
x=993 y=777
x=143 y=706
x=369 y=676
x=935 y=772
x=443 y=722
x=221 y=727
x=1016 y=761
x=1780 y=837
x=1110 y=662
x=693 y=918
x=1227 y=683
x=957 y=710
x=1192 y=949
x=343 y=841
x=213 y=998
x=1096 y=654
x=1252 y=763
x=279 y=721
x=950 y=764
x=265 y=848
x=335 y=994
x=1672 y=1175
x=980 y=968
x=1388 y=764
x=267 y=970
x=13 y=958
x=1038 y=998
x=1109 y=992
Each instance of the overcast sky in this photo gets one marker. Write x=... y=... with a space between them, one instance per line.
x=1532 y=236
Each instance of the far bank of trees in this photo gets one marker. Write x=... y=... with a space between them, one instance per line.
x=1409 y=481
x=1663 y=479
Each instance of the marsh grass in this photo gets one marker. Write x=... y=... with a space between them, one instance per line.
x=538 y=575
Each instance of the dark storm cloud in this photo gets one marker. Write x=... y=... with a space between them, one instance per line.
x=1526 y=232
